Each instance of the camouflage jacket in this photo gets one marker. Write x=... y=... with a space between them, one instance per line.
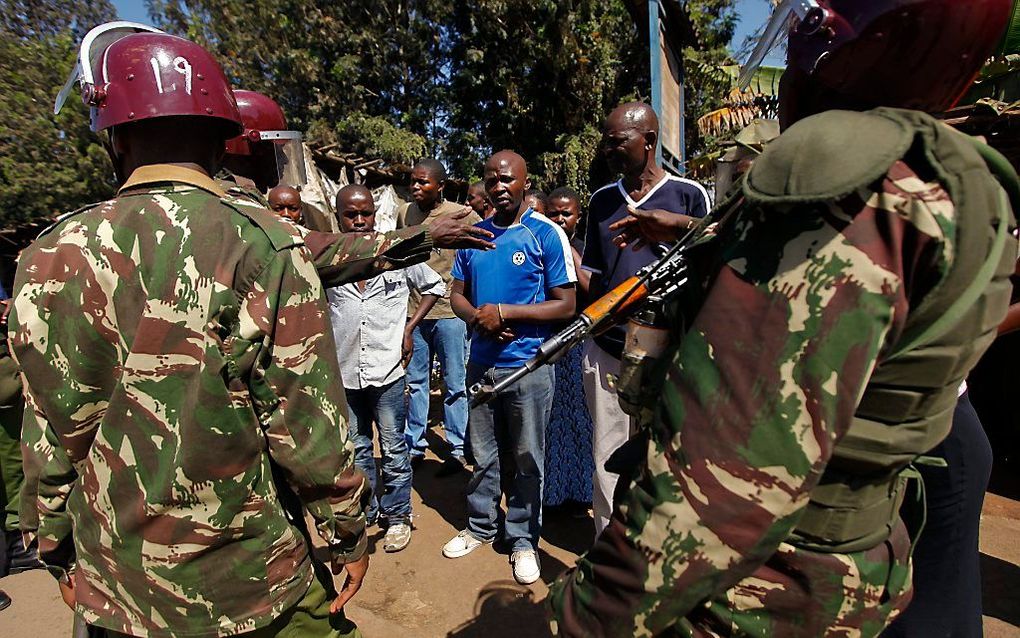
x=177 y=355
x=799 y=304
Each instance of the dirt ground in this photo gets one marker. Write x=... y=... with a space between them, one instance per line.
x=420 y=593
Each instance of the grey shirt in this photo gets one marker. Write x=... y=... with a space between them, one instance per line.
x=368 y=324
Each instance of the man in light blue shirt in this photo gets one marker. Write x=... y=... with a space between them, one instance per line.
x=512 y=298
x=374 y=345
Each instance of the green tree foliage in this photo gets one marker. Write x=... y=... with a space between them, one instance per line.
x=538 y=77
x=452 y=78
x=342 y=64
x=708 y=81
x=48 y=164
x=394 y=79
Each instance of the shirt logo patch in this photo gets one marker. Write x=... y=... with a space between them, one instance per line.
x=518 y=258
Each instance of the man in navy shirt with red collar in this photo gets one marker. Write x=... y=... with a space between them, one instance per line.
x=512 y=300
x=629 y=139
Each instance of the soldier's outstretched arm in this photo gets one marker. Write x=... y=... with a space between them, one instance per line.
x=345 y=257
x=763 y=383
x=300 y=402
x=341 y=258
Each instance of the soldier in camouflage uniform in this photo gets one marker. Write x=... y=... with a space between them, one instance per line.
x=180 y=374
x=850 y=286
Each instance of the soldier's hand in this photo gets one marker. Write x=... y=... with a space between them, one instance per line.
x=451 y=231
x=67 y=592
x=650 y=226
x=355 y=576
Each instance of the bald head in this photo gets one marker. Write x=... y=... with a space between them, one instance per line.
x=508 y=159
x=352 y=192
x=506 y=179
x=286 y=202
x=630 y=136
x=635 y=115
x=355 y=209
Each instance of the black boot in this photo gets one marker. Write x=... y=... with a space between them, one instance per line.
x=21 y=558
x=5 y=600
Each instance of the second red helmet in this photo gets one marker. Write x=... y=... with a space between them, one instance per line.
x=259 y=114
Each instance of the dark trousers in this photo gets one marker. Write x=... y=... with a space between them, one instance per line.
x=3 y=557
x=947 y=575
x=12 y=476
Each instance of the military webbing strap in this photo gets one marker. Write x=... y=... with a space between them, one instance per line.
x=849 y=507
x=1007 y=178
x=955 y=312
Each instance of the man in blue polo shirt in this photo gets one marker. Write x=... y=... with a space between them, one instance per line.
x=629 y=138
x=511 y=298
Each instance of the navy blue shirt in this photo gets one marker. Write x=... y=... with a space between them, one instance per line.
x=530 y=258
x=611 y=266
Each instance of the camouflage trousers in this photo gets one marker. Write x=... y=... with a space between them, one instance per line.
x=309 y=618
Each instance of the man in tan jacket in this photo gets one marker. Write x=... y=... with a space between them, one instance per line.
x=440 y=332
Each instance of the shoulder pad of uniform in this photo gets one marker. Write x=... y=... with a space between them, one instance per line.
x=281 y=233
x=827 y=156
x=64 y=217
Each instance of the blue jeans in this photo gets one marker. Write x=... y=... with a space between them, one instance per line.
x=384 y=405
x=511 y=426
x=446 y=338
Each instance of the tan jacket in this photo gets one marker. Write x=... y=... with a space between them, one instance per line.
x=441 y=260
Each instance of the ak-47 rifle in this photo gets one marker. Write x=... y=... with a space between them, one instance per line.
x=653 y=284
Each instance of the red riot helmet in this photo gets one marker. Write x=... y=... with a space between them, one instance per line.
x=259 y=113
x=266 y=151
x=915 y=54
x=130 y=72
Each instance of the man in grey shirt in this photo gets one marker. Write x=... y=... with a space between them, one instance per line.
x=374 y=344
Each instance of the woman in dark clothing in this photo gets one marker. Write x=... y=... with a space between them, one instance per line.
x=947 y=575
x=568 y=455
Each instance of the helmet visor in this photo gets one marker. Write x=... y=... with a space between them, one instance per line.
x=290 y=156
x=785 y=13
x=93 y=45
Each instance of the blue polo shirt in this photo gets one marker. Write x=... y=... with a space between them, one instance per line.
x=530 y=258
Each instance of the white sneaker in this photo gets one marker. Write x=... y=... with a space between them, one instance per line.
x=462 y=544
x=525 y=563
x=397 y=537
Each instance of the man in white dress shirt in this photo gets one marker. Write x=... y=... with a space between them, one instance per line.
x=374 y=345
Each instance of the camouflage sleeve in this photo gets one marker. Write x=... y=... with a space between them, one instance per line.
x=301 y=402
x=341 y=258
x=35 y=451
x=763 y=383
x=49 y=482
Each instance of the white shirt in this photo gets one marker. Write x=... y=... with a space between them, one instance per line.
x=369 y=325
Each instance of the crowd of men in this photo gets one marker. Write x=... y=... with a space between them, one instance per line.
x=201 y=370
